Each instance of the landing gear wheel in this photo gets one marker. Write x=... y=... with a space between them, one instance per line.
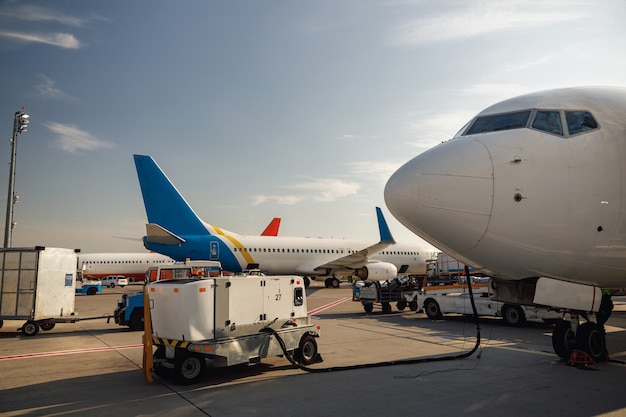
x=513 y=315
x=386 y=308
x=136 y=319
x=307 y=350
x=591 y=339
x=431 y=307
x=413 y=305
x=188 y=367
x=47 y=324
x=401 y=305
x=307 y=282
x=369 y=307
x=30 y=328
x=563 y=339
x=327 y=282
x=335 y=283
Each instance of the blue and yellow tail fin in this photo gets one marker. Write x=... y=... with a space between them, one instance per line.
x=165 y=206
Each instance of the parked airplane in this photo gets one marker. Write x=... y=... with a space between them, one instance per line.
x=134 y=265
x=531 y=192
x=131 y=265
x=175 y=230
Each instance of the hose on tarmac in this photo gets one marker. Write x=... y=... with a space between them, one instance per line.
x=464 y=355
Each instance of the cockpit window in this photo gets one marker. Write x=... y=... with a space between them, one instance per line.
x=497 y=122
x=548 y=121
x=579 y=121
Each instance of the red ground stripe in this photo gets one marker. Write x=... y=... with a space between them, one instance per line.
x=329 y=305
x=68 y=352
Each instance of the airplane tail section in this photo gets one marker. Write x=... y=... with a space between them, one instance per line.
x=272 y=228
x=169 y=215
x=385 y=233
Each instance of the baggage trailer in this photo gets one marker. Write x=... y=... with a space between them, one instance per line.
x=228 y=319
x=37 y=285
x=402 y=291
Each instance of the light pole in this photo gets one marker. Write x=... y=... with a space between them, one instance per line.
x=20 y=123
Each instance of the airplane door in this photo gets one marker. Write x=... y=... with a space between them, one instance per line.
x=214 y=251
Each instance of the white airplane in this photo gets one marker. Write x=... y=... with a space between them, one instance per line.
x=176 y=231
x=131 y=265
x=531 y=191
x=134 y=265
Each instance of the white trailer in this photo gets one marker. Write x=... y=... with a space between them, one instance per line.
x=37 y=285
x=456 y=299
x=226 y=319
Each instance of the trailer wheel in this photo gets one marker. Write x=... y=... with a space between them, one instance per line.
x=47 y=324
x=368 y=307
x=431 y=307
x=401 y=305
x=92 y=291
x=188 y=367
x=413 y=305
x=136 y=319
x=30 y=328
x=513 y=315
x=1 y=323
x=386 y=308
x=307 y=350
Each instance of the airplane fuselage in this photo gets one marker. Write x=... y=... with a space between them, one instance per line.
x=285 y=255
x=529 y=200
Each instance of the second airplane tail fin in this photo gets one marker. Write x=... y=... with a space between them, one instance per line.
x=165 y=206
x=385 y=233
x=272 y=228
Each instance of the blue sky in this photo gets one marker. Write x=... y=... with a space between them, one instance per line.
x=261 y=109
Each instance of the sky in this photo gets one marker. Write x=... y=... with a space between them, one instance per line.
x=260 y=109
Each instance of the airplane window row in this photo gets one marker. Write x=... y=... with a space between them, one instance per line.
x=289 y=250
x=120 y=262
x=550 y=121
x=337 y=251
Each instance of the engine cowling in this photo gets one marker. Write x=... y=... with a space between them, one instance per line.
x=378 y=271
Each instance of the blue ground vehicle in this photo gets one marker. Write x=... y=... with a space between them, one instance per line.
x=129 y=311
x=88 y=287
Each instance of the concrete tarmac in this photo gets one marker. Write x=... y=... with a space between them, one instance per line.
x=93 y=368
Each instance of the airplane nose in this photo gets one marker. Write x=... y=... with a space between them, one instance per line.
x=445 y=195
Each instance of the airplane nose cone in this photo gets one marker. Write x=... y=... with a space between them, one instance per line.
x=445 y=195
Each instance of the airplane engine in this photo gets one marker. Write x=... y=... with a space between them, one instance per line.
x=377 y=271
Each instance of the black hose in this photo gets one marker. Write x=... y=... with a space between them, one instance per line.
x=291 y=359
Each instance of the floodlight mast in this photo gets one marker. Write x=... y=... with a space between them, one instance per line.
x=20 y=123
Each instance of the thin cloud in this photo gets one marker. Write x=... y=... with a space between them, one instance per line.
x=48 y=89
x=32 y=13
x=73 y=140
x=476 y=21
x=323 y=190
x=62 y=40
x=41 y=14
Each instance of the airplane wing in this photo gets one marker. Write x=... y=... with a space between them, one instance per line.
x=360 y=258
